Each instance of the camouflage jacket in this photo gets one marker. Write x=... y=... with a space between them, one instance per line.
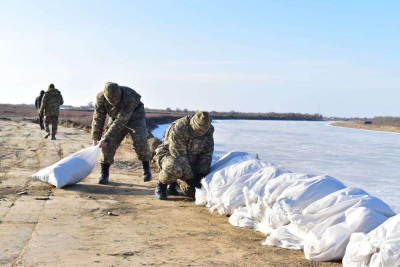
x=51 y=102
x=181 y=144
x=123 y=115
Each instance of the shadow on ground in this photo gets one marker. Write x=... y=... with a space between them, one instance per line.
x=109 y=190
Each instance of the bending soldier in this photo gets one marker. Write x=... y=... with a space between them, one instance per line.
x=38 y=103
x=50 y=108
x=185 y=155
x=126 y=116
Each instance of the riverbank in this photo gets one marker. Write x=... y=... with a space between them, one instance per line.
x=82 y=118
x=371 y=127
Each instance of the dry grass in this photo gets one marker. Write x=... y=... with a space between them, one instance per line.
x=18 y=159
x=39 y=153
x=386 y=121
x=371 y=127
x=29 y=111
x=59 y=150
x=27 y=142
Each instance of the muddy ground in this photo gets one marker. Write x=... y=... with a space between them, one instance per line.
x=44 y=226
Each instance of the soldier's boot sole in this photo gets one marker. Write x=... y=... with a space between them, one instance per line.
x=47 y=135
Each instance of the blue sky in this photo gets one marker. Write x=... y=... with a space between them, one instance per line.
x=259 y=56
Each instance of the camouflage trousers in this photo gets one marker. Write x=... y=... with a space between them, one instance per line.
x=54 y=124
x=172 y=170
x=139 y=133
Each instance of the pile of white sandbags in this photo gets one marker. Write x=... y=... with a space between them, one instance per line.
x=380 y=247
x=297 y=211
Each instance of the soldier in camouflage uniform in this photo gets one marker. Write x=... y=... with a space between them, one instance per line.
x=185 y=155
x=38 y=103
x=50 y=108
x=126 y=116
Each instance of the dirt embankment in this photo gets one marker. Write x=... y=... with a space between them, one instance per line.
x=371 y=127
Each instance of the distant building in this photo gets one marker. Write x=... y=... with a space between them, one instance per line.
x=66 y=107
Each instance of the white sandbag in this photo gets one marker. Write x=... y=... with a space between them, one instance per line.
x=276 y=186
x=258 y=197
x=71 y=169
x=337 y=203
x=295 y=197
x=234 y=197
x=270 y=221
x=380 y=247
x=327 y=241
x=231 y=158
x=241 y=218
x=304 y=192
x=288 y=236
x=201 y=194
x=221 y=180
x=260 y=207
x=227 y=160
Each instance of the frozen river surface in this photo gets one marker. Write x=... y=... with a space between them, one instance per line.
x=366 y=159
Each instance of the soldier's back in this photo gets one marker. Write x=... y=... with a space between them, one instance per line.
x=53 y=102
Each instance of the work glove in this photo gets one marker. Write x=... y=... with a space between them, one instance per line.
x=187 y=189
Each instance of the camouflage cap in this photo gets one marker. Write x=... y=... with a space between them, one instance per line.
x=112 y=93
x=51 y=86
x=200 y=123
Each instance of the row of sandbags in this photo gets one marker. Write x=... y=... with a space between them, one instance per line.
x=318 y=214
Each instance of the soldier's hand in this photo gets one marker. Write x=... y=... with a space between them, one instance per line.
x=102 y=144
x=95 y=142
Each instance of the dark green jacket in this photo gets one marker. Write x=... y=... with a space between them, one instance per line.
x=51 y=102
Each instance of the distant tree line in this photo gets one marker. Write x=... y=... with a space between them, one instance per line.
x=387 y=121
x=243 y=115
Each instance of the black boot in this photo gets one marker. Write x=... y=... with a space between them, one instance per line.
x=171 y=189
x=161 y=191
x=53 y=137
x=146 y=171
x=105 y=173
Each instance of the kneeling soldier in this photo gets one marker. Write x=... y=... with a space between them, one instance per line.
x=186 y=154
x=126 y=116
